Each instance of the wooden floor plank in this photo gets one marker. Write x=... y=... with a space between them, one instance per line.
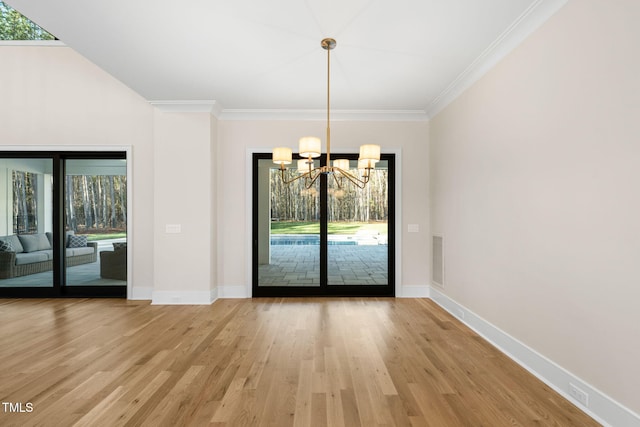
x=262 y=362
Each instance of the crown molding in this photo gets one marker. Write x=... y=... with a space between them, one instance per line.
x=47 y=43
x=529 y=21
x=211 y=107
x=321 y=115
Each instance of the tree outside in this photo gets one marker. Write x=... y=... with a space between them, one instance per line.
x=296 y=210
x=94 y=205
x=15 y=26
x=25 y=213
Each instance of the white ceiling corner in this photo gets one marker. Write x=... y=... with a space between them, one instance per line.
x=538 y=13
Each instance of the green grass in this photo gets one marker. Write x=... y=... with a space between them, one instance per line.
x=94 y=237
x=301 y=227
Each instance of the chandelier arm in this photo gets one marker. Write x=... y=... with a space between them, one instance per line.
x=312 y=176
x=354 y=179
x=367 y=176
x=313 y=179
x=337 y=180
x=289 y=181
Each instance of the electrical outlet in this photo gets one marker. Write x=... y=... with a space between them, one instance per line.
x=580 y=395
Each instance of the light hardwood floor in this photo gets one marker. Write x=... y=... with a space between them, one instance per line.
x=267 y=362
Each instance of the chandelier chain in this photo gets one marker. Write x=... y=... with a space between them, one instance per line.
x=328 y=104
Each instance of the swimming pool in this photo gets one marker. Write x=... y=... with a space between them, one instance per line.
x=309 y=239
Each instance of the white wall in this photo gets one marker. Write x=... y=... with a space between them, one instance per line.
x=190 y=169
x=51 y=96
x=535 y=173
x=237 y=138
x=183 y=198
x=213 y=200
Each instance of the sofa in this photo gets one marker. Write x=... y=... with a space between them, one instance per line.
x=25 y=254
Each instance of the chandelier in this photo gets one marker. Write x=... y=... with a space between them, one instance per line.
x=309 y=147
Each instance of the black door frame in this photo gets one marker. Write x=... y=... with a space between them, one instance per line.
x=58 y=290
x=325 y=289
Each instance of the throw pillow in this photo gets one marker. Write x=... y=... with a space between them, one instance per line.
x=6 y=246
x=117 y=246
x=66 y=236
x=34 y=242
x=77 y=241
x=15 y=242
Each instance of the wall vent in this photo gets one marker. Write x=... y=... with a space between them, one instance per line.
x=437 y=260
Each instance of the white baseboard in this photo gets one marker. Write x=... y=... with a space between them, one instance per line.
x=407 y=291
x=414 y=291
x=214 y=295
x=230 y=291
x=138 y=293
x=601 y=407
x=184 y=297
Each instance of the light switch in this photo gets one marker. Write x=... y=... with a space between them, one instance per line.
x=413 y=228
x=173 y=228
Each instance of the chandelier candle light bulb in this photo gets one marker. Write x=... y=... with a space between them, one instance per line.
x=310 y=147
x=365 y=166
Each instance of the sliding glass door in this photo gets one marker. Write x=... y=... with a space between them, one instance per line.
x=95 y=207
x=63 y=224
x=330 y=239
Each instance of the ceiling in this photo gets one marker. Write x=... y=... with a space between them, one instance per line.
x=253 y=55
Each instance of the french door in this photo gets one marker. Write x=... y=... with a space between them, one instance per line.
x=63 y=219
x=331 y=239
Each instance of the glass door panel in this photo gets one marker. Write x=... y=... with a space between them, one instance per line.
x=26 y=224
x=287 y=228
x=358 y=229
x=95 y=210
x=332 y=239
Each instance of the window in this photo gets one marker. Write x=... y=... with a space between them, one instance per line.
x=15 y=26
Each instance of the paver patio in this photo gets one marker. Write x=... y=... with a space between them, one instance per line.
x=299 y=265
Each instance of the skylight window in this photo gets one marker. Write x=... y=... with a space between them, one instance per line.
x=15 y=26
